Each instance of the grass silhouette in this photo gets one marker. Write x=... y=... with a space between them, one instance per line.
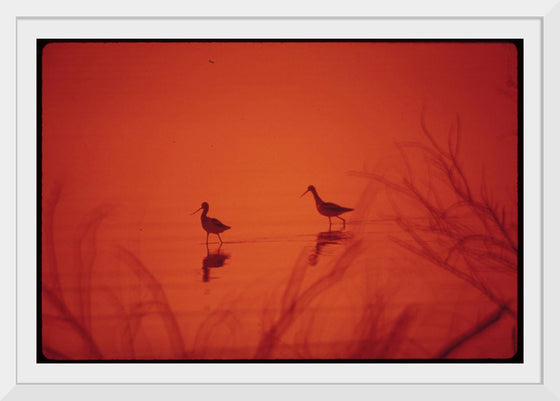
x=454 y=227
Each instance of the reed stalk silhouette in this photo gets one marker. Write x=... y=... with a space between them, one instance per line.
x=460 y=230
x=296 y=299
x=52 y=293
x=75 y=320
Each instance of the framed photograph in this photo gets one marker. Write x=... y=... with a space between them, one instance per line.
x=311 y=203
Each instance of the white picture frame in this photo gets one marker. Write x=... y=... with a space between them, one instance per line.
x=135 y=383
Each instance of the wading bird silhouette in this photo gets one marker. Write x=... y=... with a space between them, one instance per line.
x=327 y=208
x=210 y=224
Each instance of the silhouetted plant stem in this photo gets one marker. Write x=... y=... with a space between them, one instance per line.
x=445 y=239
x=471 y=333
x=295 y=302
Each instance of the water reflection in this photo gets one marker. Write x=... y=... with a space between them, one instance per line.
x=327 y=238
x=213 y=260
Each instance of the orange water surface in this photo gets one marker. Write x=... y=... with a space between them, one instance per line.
x=420 y=138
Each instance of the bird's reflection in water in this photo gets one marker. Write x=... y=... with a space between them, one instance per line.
x=212 y=260
x=327 y=238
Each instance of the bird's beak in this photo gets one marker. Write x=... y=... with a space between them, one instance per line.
x=304 y=193
x=196 y=210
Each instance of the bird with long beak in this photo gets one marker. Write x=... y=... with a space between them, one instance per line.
x=327 y=208
x=210 y=224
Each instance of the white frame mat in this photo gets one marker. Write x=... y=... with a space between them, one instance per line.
x=538 y=23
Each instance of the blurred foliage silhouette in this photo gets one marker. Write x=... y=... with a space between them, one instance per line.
x=454 y=227
x=460 y=230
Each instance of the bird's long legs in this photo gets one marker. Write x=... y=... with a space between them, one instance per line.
x=343 y=221
x=208 y=234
